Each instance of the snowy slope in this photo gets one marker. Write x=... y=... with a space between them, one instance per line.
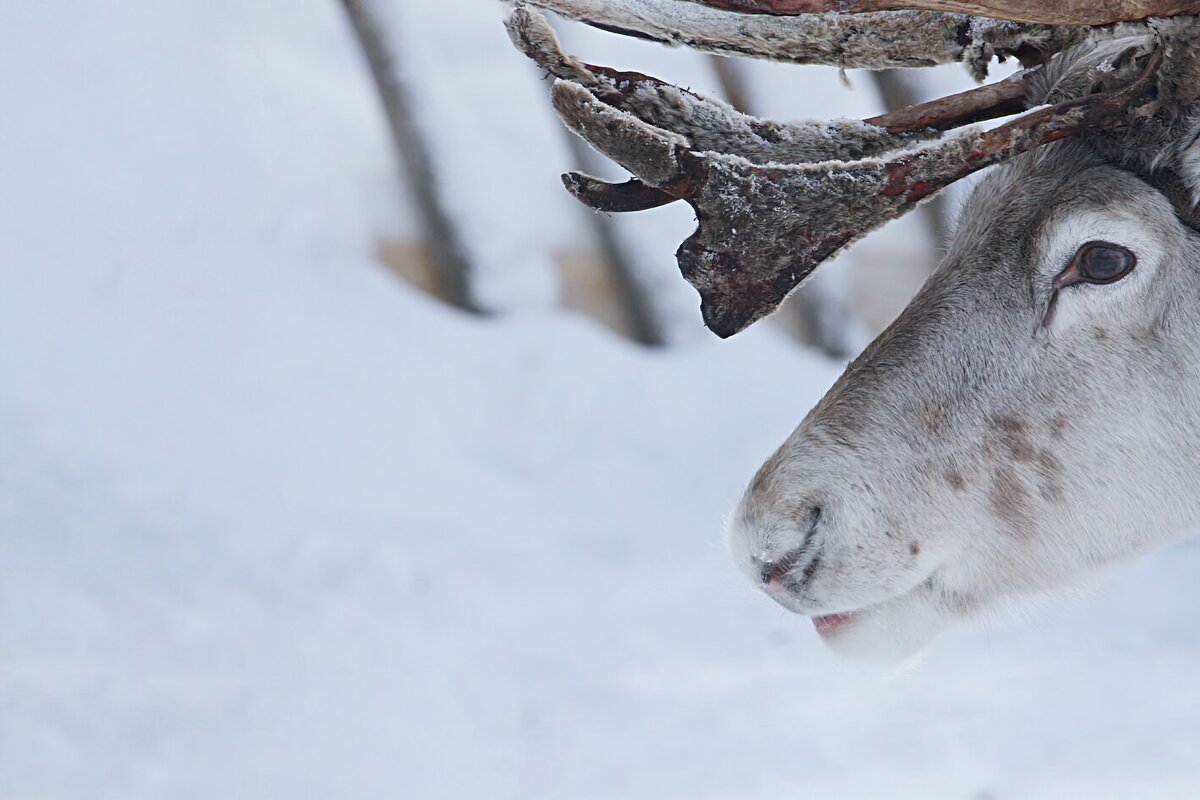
x=272 y=525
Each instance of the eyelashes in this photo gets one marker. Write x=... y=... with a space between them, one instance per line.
x=1097 y=263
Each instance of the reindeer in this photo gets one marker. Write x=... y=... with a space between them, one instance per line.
x=1034 y=413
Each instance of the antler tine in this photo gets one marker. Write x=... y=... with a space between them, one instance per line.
x=650 y=153
x=987 y=102
x=1072 y=12
x=763 y=231
x=713 y=126
x=764 y=228
x=875 y=41
x=1009 y=96
x=706 y=124
x=772 y=201
x=632 y=195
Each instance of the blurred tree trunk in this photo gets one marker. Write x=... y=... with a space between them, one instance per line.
x=640 y=317
x=441 y=235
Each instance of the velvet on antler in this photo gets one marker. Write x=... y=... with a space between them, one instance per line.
x=774 y=200
x=1056 y=12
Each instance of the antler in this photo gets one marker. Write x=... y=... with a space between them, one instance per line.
x=873 y=41
x=774 y=200
x=1072 y=12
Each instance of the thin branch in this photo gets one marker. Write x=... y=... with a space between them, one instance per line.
x=441 y=236
x=1060 y=12
x=732 y=82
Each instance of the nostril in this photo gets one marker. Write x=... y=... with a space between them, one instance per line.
x=776 y=571
x=773 y=572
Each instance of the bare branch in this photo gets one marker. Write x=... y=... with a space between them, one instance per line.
x=441 y=235
x=1062 y=12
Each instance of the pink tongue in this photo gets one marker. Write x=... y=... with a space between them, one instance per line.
x=831 y=622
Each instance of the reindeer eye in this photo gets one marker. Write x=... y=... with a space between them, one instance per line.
x=1101 y=262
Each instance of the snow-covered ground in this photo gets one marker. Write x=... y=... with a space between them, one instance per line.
x=274 y=525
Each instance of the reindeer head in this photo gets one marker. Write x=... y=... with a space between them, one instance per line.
x=1033 y=414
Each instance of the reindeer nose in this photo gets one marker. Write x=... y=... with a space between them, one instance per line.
x=774 y=572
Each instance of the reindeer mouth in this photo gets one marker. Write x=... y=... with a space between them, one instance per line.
x=891 y=630
x=826 y=625
x=890 y=626
x=829 y=624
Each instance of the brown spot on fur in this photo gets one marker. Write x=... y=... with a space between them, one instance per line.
x=1008 y=424
x=934 y=419
x=1015 y=439
x=955 y=479
x=1009 y=500
x=1058 y=427
x=1019 y=448
x=1048 y=464
x=914 y=548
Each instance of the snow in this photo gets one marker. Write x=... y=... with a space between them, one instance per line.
x=275 y=525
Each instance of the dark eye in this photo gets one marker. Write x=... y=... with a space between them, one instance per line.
x=1101 y=262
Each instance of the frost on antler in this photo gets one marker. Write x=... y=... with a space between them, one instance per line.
x=873 y=41
x=1075 y=12
x=773 y=201
x=764 y=228
x=704 y=123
